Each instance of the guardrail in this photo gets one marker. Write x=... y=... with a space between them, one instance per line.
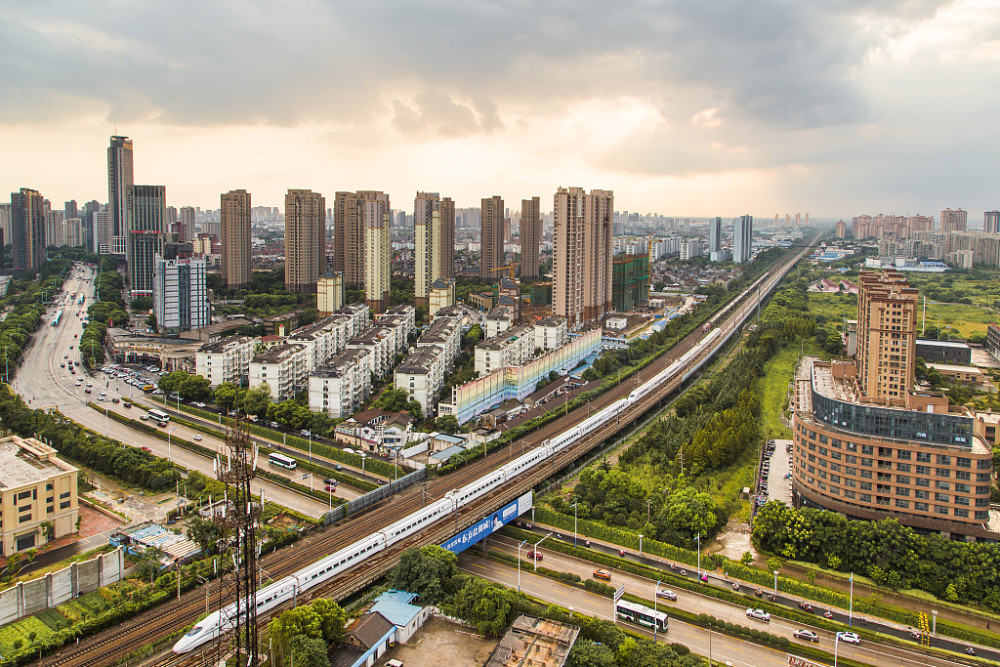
x=374 y=496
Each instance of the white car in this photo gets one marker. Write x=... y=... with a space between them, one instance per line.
x=666 y=594
x=808 y=635
x=196 y=437
x=849 y=637
x=759 y=614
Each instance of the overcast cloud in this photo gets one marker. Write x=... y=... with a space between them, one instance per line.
x=835 y=106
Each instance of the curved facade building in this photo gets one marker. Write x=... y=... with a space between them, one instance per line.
x=922 y=464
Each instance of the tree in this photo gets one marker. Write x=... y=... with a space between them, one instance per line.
x=206 y=533
x=394 y=400
x=428 y=571
x=308 y=652
x=589 y=654
x=298 y=621
x=172 y=382
x=449 y=424
x=225 y=395
x=689 y=512
x=195 y=388
x=332 y=619
x=256 y=400
x=485 y=605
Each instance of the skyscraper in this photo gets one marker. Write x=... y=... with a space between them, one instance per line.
x=120 y=182
x=715 y=235
x=887 y=334
x=27 y=210
x=377 y=252
x=428 y=244
x=54 y=229
x=102 y=229
x=491 y=237
x=582 y=254
x=743 y=238
x=186 y=219
x=954 y=221
x=305 y=239
x=447 y=239
x=235 y=223
x=180 y=294
x=531 y=236
x=991 y=222
x=147 y=206
x=5 y=221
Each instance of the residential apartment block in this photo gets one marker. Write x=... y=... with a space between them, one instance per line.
x=512 y=347
x=434 y=242
x=491 y=237
x=38 y=500
x=340 y=386
x=498 y=320
x=423 y=372
x=582 y=254
x=531 y=236
x=235 y=228
x=284 y=368
x=228 y=360
x=551 y=333
x=305 y=239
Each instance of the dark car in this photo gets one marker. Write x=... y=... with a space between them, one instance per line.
x=331 y=482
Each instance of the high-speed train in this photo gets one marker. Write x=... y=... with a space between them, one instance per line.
x=335 y=564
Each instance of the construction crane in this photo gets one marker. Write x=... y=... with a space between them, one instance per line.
x=505 y=268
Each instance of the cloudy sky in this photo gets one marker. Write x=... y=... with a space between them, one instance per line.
x=690 y=107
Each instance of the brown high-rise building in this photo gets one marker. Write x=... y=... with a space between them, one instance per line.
x=27 y=221
x=305 y=239
x=954 y=221
x=841 y=229
x=235 y=228
x=582 y=254
x=361 y=243
x=491 y=237
x=434 y=242
x=887 y=335
x=531 y=236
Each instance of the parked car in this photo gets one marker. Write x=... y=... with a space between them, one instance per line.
x=849 y=637
x=759 y=614
x=666 y=594
x=808 y=635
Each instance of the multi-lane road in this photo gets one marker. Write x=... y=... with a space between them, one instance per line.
x=735 y=651
x=43 y=383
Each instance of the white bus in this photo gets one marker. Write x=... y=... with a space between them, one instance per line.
x=159 y=415
x=642 y=615
x=282 y=461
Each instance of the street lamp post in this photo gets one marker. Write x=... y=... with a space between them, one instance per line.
x=836 y=647
x=934 y=621
x=698 y=539
x=534 y=561
x=363 y=457
x=776 y=582
x=656 y=594
x=850 y=611
x=519 y=565
x=168 y=442
x=640 y=544
x=574 y=523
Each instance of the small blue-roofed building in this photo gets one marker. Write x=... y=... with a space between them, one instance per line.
x=445 y=454
x=398 y=607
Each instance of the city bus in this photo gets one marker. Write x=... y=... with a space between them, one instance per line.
x=641 y=615
x=282 y=461
x=56 y=318
x=159 y=415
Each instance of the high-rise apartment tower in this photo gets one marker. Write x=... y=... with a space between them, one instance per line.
x=954 y=221
x=235 y=224
x=991 y=222
x=120 y=182
x=27 y=210
x=531 y=236
x=582 y=254
x=432 y=253
x=305 y=239
x=715 y=234
x=887 y=334
x=491 y=226
x=742 y=238
x=147 y=206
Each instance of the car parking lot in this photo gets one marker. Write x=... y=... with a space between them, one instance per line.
x=143 y=378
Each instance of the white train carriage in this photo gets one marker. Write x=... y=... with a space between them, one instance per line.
x=417 y=521
x=525 y=461
x=481 y=486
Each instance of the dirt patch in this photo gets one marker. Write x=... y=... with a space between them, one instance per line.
x=733 y=541
x=441 y=642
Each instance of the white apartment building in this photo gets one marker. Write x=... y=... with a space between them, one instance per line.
x=342 y=385
x=227 y=360
x=511 y=348
x=445 y=333
x=401 y=320
x=284 y=368
x=324 y=338
x=498 y=320
x=358 y=314
x=551 y=333
x=421 y=375
x=381 y=344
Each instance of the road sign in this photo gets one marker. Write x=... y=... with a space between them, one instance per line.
x=620 y=592
x=796 y=661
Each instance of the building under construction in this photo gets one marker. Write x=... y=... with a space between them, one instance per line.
x=534 y=642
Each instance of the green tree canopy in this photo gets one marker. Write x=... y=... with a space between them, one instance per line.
x=485 y=605
x=256 y=400
x=308 y=652
x=428 y=571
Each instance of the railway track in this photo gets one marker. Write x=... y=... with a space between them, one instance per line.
x=155 y=624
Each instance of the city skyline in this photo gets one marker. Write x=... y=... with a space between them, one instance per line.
x=690 y=110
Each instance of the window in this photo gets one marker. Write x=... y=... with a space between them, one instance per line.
x=963 y=462
x=850 y=482
x=902 y=455
x=850 y=458
x=902 y=491
x=866 y=486
x=823 y=440
x=64 y=505
x=943 y=472
x=942 y=497
x=905 y=504
x=961 y=512
x=903 y=467
x=943 y=460
x=867 y=449
x=941 y=509
x=823 y=451
x=923 y=470
x=921 y=507
x=835 y=456
x=963 y=488
x=835 y=443
x=885 y=452
x=902 y=479
x=50 y=486
x=961 y=500
x=851 y=446
x=866 y=474
x=920 y=493
x=923 y=457
x=64 y=495
x=982 y=490
x=962 y=474
x=849 y=494
x=865 y=498
x=943 y=486
x=834 y=479
x=835 y=467
x=866 y=463
x=921 y=481
x=24 y=517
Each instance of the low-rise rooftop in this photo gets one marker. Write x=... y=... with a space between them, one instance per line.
x=28 y=461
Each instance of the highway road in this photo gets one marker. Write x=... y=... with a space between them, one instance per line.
x=44 y=384
x=868 y=652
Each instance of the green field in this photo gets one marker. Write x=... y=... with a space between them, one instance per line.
x=965 y=320
x=23 y=633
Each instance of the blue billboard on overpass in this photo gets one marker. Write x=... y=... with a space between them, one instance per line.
x=492 y=523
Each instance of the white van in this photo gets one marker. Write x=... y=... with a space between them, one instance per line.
x=393 y=663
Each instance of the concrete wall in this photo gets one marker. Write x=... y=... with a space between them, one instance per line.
x=30 y=597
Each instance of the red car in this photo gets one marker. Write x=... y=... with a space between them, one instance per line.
x=537 y=555
x=146 y=449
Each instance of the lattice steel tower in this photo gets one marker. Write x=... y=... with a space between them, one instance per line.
x=239 y=587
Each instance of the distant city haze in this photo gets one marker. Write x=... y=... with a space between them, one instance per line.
x=687 y=109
